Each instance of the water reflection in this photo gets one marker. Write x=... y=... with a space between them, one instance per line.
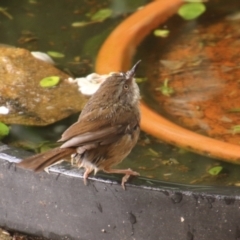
x=45 y=26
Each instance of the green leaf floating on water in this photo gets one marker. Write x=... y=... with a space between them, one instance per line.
x=49 y=81
x=4 y=130
x=215 y=170
x=97 y=17
x=235 y=129
x=140 y=80
x=101 y=15
x=234 y=110
x=153 y=152
x=55 y=54
x=161 y=33
x=165 y=89
x=191 y=11
x=81 y=24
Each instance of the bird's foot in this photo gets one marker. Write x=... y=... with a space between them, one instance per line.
x=86 y=174
x=128 y=172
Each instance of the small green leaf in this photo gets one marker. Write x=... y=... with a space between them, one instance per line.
x=49 y=81
x=234 y=110
x=55 y=54
x=161 y=33
x=235 y=129
x=215 y=170
x=165 y=89
x=4 y=130
x=140 y=80
x=191 y=11
x=80 y=24
x=4 y=12
x=101 y=15
x=153 y=152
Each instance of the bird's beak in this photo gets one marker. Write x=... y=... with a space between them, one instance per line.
x=130 y=74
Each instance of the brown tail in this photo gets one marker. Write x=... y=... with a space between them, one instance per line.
x=42 y=160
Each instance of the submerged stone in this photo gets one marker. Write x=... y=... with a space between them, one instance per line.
x=27 y=102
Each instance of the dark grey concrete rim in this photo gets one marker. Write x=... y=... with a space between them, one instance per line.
x=59 y=206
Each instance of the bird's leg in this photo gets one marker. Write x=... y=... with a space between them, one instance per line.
x=76 y=160
x=85 y=175
x=128 y=172
x=73 y=156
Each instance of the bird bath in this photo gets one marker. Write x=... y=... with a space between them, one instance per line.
x=134 y=29
x=59 y=206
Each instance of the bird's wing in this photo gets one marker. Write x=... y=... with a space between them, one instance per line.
x=99 y=125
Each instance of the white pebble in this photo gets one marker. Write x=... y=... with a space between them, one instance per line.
x=43 y=57
x=4 y=110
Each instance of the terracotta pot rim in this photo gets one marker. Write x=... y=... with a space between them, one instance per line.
x=116 y=54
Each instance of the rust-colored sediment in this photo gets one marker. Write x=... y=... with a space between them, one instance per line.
x=116 y=54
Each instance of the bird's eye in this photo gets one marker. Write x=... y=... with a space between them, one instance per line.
x=125 y=86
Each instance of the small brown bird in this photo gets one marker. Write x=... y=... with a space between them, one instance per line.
x=105 y=133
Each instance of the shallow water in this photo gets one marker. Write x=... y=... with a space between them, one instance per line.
x=46 y=26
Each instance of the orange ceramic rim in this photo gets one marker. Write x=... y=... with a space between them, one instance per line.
x=116 y=54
